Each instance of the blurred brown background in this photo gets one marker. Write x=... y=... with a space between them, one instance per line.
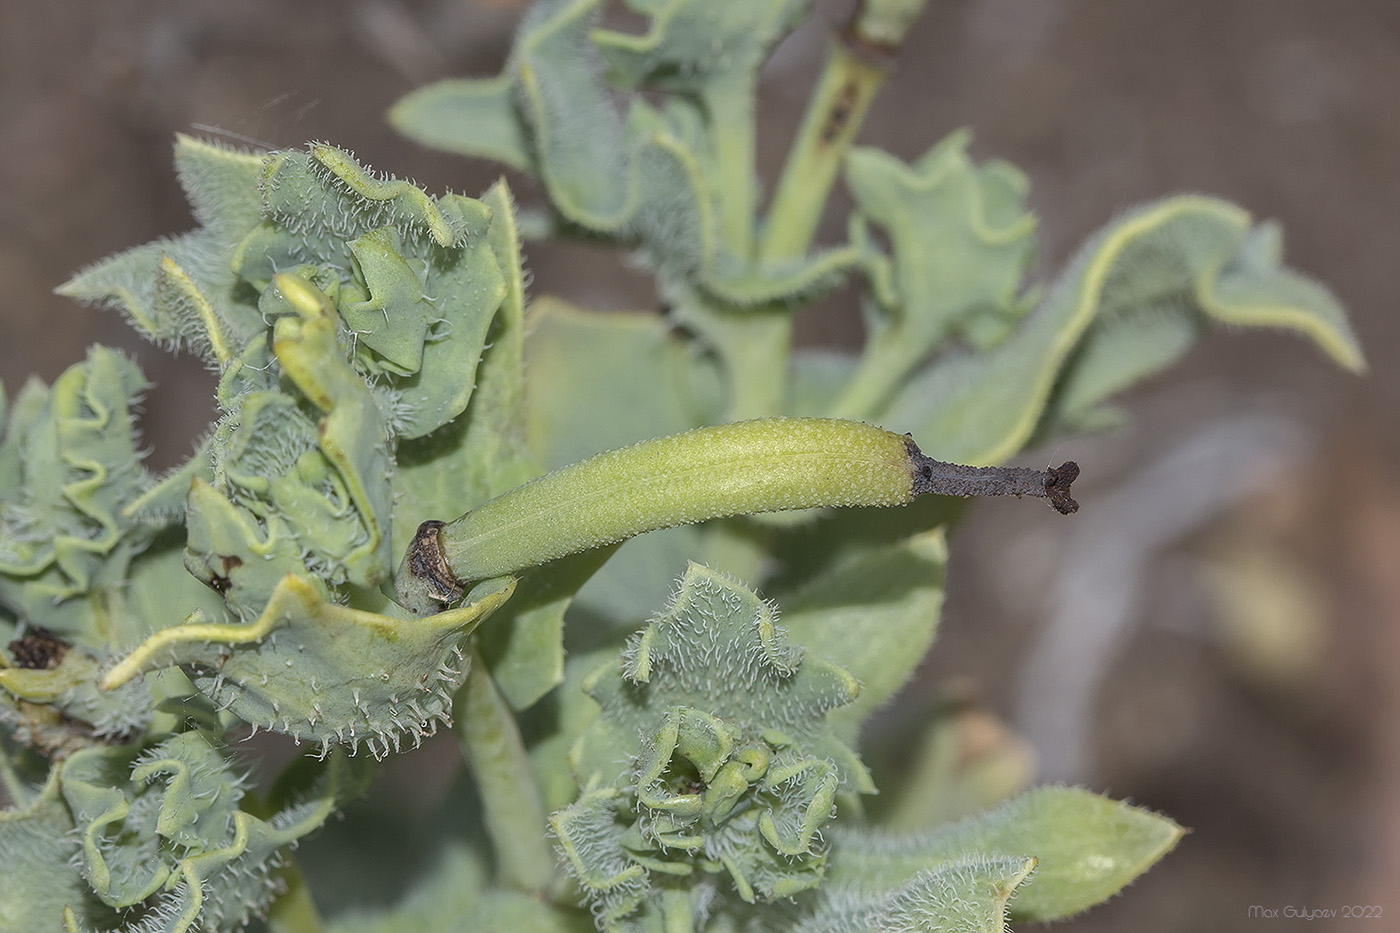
x=1216 y=635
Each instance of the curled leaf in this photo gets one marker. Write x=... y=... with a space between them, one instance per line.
x=163 y=835
x=322 y=672
x=182 y=292
x=350 y=434
x=58 y=709
x=678 y=51
x=575 y=131
x=38 y=848
x=675 y=181
x=75 y=450
x=423 y=282
x=961 y=240
x=1185 y=256
x=737 y=769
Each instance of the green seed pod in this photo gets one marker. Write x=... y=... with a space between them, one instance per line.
x=766 y=465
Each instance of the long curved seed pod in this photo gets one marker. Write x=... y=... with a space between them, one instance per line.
x=766 y=465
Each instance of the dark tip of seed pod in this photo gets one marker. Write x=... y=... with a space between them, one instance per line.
x=1057 y=483
x=426 y=562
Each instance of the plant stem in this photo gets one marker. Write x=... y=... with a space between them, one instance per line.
x=677 y=912
x=729 y=106
x=294 y=911
x=755 y=344
x=885 y=24
x=18 y=791
x=514 y=810
x=834 y=115
x=889 y=359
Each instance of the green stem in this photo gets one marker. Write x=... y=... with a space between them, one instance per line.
x=854 y=72
x=729 y=106
x=514 y=810
x=888 y=360
x=885 y=24
x=755 y=344
x=837 y=109
x=19 y=793
x=677 y=912
x=294 y=911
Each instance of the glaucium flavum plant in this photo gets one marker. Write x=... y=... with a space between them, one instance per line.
x=692 y=762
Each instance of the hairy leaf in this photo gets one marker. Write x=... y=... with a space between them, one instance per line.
x=1087 y=847
x=162 y=831
x=737 y=769
x=58 y=709
x=422 y=281
x=678 y=51
x=771 y=685
x=75 y=452
x=484 y=453
x=968 y=895
x=466 y=116
x=322 y=672
x=1179 y=255
x=575 y=131
x=875 y=614
x=182 y=292
x=1253 y=289
x=678 y=180
x=37 y=848
x=961 y=241
x=352 y=438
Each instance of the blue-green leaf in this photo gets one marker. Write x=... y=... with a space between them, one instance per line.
x=732 y=768
x=875 y=614
x=961 y=240
x=182 y=292
x=1087 y=847
x=162 y=834
x=323 y=672
x=466 y=116
x=38 y=848
x=576 y=132
x=969 y=896
x=1185 y=255
x=692 y=44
